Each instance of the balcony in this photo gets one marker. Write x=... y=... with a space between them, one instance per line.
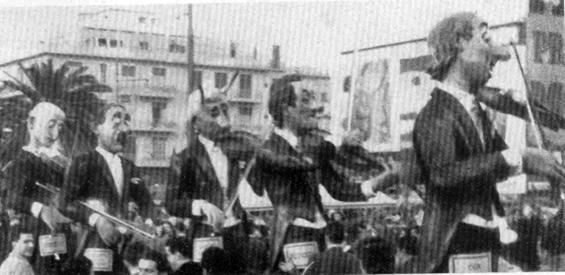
x=147 y=126
x=147 y=90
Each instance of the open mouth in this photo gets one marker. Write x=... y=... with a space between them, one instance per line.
x=122 y=138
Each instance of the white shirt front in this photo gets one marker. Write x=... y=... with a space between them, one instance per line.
x=218 y=159
x=115 y=164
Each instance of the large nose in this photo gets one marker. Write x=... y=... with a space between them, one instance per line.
x=124 y=127
x=223 y=120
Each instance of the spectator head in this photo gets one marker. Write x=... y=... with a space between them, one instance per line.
x=152 y=263
x=77 y=266
x=178 y=251
x=44 y=124
x=23 y=242
x=168 y=229
x=215 y=261
x=335 y=233
x=112 y=126
x=376 y=255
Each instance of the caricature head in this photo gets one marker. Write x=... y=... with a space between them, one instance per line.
x=209 y=115
x=44 y=124
x=113 y=127
x=462 y=45
x=289 y=109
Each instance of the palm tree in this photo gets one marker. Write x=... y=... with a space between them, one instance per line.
x=67 y=87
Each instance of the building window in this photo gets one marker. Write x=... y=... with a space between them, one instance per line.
x=159 y=71
x=129 y=150
x=245 y=86
x=325 y=97
x=113 y=43
x=196 y=79
x=246 y=110
x=128 y=71
x=174 y=47
x=103 y=69
x=144 y=45
x=233 y=49
x=221 y=79
x=125 y=98
x=142 y=19
x=102 y=42
x=121 y=44
x=159 y=147
x=157 y=111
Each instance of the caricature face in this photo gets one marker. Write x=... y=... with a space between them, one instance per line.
x=113 y=132
x=301 y=116
x=475 y=57
x=213 y=120
x=24 y=246
x=44 y=129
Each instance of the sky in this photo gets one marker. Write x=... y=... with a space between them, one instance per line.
x=310 y=33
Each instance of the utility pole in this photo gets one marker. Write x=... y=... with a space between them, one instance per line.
x=190 y=52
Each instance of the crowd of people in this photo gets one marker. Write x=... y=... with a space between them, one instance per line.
x=91 y=212
x=351 y=247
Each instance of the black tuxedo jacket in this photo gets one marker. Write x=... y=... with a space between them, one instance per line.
x=460 y=174
x=198 y=181
x=293 y=190
x=89 y=177
x=23 y=173
x=335 y=261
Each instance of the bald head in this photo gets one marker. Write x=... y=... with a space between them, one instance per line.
x=44 y=124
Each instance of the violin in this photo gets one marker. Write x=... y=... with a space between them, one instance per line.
x=495 y=99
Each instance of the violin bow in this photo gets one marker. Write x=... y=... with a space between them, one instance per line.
x=537 y=130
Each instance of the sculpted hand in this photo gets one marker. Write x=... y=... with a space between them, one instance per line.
x=107 y=231
x=542 y=163
x=353 y=138
x=52 y=217
x=214 y=215
x=286 y=267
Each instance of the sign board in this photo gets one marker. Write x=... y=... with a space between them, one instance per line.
x=470 y=263
x=102 y=259
x=201 y=244
x=50 y=245
x=546 y=61
x=300 y=254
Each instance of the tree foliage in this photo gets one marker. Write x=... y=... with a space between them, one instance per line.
x=68 y=87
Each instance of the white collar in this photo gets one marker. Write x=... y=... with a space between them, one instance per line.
x=208 y=144
x=50 y=152
x=287 y=135
x=334 y=245
x=465 y=98
x=108 y=156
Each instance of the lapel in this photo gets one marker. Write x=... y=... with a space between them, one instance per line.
x=198 y=152
x=281 y=146
x=465 y=124
x=106 y=174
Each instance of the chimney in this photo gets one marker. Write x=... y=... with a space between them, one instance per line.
x=276 y=61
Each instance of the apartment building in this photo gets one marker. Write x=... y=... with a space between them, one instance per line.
x=147 y=70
